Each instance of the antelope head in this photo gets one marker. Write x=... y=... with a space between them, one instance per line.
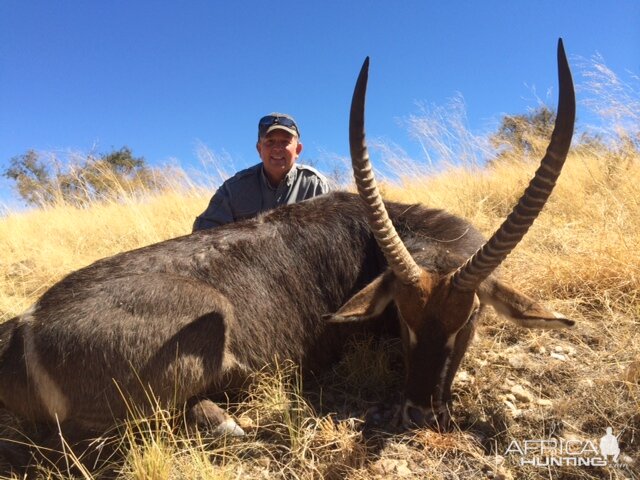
x=437 y=310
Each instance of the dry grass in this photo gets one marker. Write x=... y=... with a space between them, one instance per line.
x=582 y=257
x=38 y=247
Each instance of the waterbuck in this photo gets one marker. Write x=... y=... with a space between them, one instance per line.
x=177 y=319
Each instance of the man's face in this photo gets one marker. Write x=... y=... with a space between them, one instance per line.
x=278 y=151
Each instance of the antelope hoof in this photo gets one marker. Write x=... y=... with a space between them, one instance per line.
x=205 y=415
x=418 y=417
x=229 y=427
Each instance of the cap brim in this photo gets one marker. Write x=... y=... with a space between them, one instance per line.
x=280 y=127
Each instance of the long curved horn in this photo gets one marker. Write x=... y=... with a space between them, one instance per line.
x=397 y=255
x=487 y=258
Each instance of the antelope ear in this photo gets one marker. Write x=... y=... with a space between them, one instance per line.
x=519 y=308
x=368 y=302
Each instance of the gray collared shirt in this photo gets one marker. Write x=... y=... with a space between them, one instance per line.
x=249 y=192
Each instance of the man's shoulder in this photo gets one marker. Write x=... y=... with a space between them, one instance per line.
x=308 y=171
x=244 y=175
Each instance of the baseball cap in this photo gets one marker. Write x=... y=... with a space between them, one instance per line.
x=275 y=121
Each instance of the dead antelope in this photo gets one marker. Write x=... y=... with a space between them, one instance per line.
x=178 y=319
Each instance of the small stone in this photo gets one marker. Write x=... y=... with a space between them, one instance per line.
x=515 y=411
x=573 y=437
x=522 y=394
x=558 y=356
x=402 y=468
x=558 y=349
x=632 y=372
x=516 y=360
x=626 y=459
x=246 y=422
x=544 y=402
x=464 y=377
x=387 y=465
x=264 y=462
x=587 y=382
x=393 y=467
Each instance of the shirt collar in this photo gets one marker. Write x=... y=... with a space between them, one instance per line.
x=287 y=181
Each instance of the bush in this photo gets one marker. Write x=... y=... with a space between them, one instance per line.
x=41 y=179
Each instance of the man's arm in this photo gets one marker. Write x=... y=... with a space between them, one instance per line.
x=310 y=183
x=323 y=186
x=318 y=185
x=217 y=213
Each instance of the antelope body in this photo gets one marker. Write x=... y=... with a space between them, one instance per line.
x=179 y=318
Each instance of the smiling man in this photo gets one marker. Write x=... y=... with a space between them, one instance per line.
x=277 y=180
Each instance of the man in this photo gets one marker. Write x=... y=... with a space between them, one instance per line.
x=278 y=180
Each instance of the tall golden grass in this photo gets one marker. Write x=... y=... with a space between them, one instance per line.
x=581 y=257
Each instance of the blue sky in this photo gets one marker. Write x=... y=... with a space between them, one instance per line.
x=163 y=77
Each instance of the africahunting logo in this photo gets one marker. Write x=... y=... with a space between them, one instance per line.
x=559 y=452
